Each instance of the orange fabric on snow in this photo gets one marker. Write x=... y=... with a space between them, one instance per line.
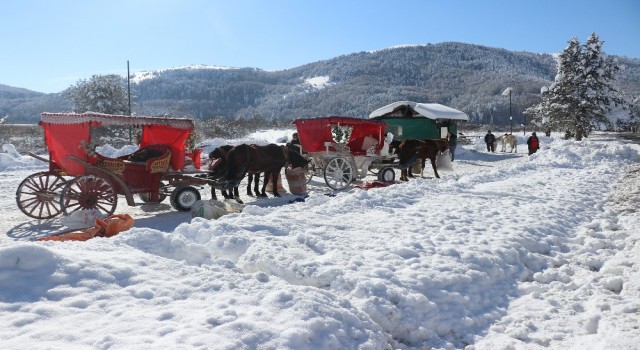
x=108 y=227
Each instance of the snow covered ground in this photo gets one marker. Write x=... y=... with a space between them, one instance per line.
x=508 y=251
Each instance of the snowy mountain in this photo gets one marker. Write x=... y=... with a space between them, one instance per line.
x=467 y=77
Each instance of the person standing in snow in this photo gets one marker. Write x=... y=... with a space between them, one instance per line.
x=490 y=140
x=453 y=141
x=294 y=144
x=533 y=143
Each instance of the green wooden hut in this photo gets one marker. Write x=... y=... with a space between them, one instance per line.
x=413 y=120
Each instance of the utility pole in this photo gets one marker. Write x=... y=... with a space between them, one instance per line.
x=129 y=98
x=504 y=93
x=129 y=87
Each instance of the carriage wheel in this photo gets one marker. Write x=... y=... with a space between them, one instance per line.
x=386 y=174
x=182 y=198
x=89 y=192
x=38 y=196
x=338 y=173
x=310 y=170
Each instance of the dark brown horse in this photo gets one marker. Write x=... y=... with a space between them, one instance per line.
x=218 y=169
x=412 y=150
x=253 y=159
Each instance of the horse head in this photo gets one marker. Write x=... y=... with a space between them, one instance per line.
x=443 y=145
x=393 y=146
x=218 y=157
x=296 y=160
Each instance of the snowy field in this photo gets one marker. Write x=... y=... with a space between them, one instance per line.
x=507 y=251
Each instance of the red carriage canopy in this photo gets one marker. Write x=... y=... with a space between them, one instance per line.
x=313 y=133
x=166 y=135
x=70 y=134
x=63 y=140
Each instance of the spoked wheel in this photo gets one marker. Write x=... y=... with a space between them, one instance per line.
x=89 y=192
x=182 y=198
x=338 y=173
x=386 y=174
x=310 y=170
x=38 y=196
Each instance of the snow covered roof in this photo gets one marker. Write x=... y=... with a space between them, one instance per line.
x=113 y=119
x=428 y=110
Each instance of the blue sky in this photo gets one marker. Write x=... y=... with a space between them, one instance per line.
x=49 y=45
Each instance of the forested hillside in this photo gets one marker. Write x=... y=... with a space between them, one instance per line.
x=24 y=106
x=464 y=76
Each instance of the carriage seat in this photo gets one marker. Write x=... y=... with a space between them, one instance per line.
x=359 y=146
x=151 y=158
x=112 y=165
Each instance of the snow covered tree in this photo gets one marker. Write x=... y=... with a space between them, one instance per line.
x=101 y=93
x=561 y=101
x=582 y=93
x=600 y=96
x=633 y=122
x=537 y=115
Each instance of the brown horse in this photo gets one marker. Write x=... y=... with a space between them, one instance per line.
x=409 y=151
x=253 y=159
x=217 y=171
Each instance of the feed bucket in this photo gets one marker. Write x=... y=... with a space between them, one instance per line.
x=296 y=180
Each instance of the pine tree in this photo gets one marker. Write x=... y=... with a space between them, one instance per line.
x=562 y=100
x=537 y=114
x=599 y=94
x=101 y=93
x=582 y=93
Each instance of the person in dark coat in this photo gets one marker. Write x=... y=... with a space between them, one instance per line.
x=533 y=143
x=453 y=142
x=294 y=144
x=490 y=140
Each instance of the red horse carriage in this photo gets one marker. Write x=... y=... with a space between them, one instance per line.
x=343 y=149
x=81 y=179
